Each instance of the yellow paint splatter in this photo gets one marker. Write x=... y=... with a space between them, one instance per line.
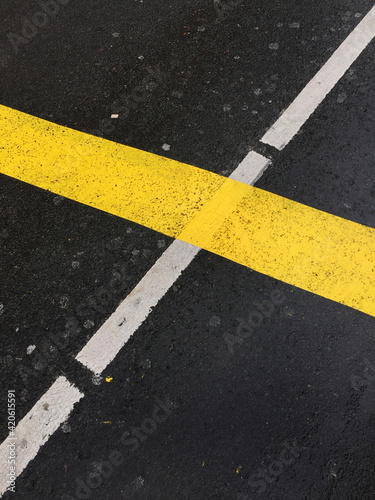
x=239 y=468
x=203 y=464
x=107 y=422
x=108 y=379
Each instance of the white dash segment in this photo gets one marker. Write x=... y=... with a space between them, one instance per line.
x=290 y=122
x=105 y=344
x=251 y=168
x=34 y=430
x=55 y=406
x=101 y=349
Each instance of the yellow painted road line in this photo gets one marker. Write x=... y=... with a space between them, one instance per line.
x=299 y=245
x=151 y=190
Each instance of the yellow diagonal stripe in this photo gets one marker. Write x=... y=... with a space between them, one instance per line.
x=148 y=189
x=299 y=245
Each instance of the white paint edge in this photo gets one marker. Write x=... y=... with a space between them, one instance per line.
x=39 y=424
x=251 y=168
x=34 y=430
x=290 y=122
x=105 y=344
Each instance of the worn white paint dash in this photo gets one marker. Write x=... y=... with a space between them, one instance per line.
x=102 y=348
x=251 y=168
x=55 y=406
x=37 y=426
x=290 y=122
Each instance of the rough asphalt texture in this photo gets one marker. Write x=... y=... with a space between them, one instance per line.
x=287 y=414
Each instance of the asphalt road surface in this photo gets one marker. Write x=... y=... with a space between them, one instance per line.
x=237 y=383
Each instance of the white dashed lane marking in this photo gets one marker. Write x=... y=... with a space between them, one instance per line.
x=42 y=421
x=37 y=427
x=102 y=348
x=104 y=345
x=290 y=122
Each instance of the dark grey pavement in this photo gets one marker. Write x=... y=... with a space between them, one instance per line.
x=289 y=412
